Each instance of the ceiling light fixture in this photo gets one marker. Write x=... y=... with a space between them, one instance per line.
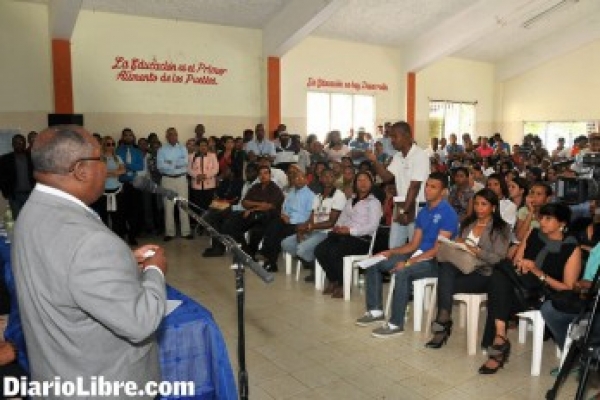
x=542 y=15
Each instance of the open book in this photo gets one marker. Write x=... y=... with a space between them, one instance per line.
x=454 y=244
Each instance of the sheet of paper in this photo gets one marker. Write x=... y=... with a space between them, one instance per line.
x=172 y=305
x=369 y=262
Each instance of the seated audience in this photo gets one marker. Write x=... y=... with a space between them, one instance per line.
x=326 y=209
x=351 y=233
x=412 y=261
x=518 y=191
x=487 y=236
x=461 y=194
x=528 y=217
x=262 y=205
x=295 y=211
x=336 y=149
x=230 y=191
x=547 y=260
x=508 y=209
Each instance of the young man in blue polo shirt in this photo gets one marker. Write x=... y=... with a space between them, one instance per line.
x=412 y=261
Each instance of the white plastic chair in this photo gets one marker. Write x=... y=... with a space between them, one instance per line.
x=470 y=306
x=288 y=265
x=349 y=268
x=423 y=289
x=537 y=323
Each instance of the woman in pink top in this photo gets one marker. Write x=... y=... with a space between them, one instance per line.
x=203 y=168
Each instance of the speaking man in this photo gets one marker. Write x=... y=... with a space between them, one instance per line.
x=89 y=305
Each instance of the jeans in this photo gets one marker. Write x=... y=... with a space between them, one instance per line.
x=306 y=248
x=403 y=284
x=557 y=322
x=400 y=234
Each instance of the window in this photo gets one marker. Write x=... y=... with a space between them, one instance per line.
x=446 y=117
x=339 y=111
x=550 y=131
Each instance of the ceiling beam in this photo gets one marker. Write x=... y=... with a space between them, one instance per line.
x=297 y=20
x=459 y=31
x=63 y=16
x=566 y=40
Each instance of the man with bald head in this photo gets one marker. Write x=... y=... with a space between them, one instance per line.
x=89 y=305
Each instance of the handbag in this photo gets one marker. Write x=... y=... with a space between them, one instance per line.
x=464 y=260
x=528 y=289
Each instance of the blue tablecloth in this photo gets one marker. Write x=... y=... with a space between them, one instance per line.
x=190 y=343
x=192 y=349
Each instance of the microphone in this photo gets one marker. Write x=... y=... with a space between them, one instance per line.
x=147 y=185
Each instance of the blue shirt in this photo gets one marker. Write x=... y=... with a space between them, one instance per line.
x=135 y=164
x=433 y=220
x=172 y=160
x=298 y=205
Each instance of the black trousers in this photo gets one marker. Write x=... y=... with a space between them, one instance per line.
x=502 y=300
x=202 y=198
x=275 y=232
x=330 y=253
x=451 y=281
x=255 y=224
x=132 y=208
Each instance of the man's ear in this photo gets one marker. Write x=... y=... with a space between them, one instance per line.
x=80 y=172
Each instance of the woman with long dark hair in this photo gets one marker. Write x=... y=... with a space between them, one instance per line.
x=508 y=210
x=518 y=189
x=548 y=259
x=351 y=233
x=487 y=236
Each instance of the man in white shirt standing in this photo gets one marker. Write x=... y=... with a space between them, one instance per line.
x=410 y=167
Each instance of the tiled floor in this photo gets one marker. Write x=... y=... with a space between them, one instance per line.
x=303 y=345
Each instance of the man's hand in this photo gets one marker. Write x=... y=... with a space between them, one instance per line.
x=7 y=353
x=140 y=251
x=285 y=219
x=385 y=253
x=158 y=260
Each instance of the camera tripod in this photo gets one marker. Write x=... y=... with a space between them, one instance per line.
x=584 y=347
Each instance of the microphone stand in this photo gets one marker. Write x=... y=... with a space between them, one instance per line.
x=240 y=260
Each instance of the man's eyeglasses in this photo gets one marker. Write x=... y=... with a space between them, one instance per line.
x=85 y=159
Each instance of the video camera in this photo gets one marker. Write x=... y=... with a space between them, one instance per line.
x=584 y=187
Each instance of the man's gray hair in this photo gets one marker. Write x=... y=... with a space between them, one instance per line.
x=58 y=153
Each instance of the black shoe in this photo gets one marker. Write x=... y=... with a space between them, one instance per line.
x=212 y=252
x=441 y=333
x=499 y=353
x=189 y=237
x=309 y=278
x=271 y=267
x=167 y=238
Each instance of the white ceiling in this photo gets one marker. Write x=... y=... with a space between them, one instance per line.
x=483 y=30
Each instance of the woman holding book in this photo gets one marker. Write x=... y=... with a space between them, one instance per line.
x=487 y=236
